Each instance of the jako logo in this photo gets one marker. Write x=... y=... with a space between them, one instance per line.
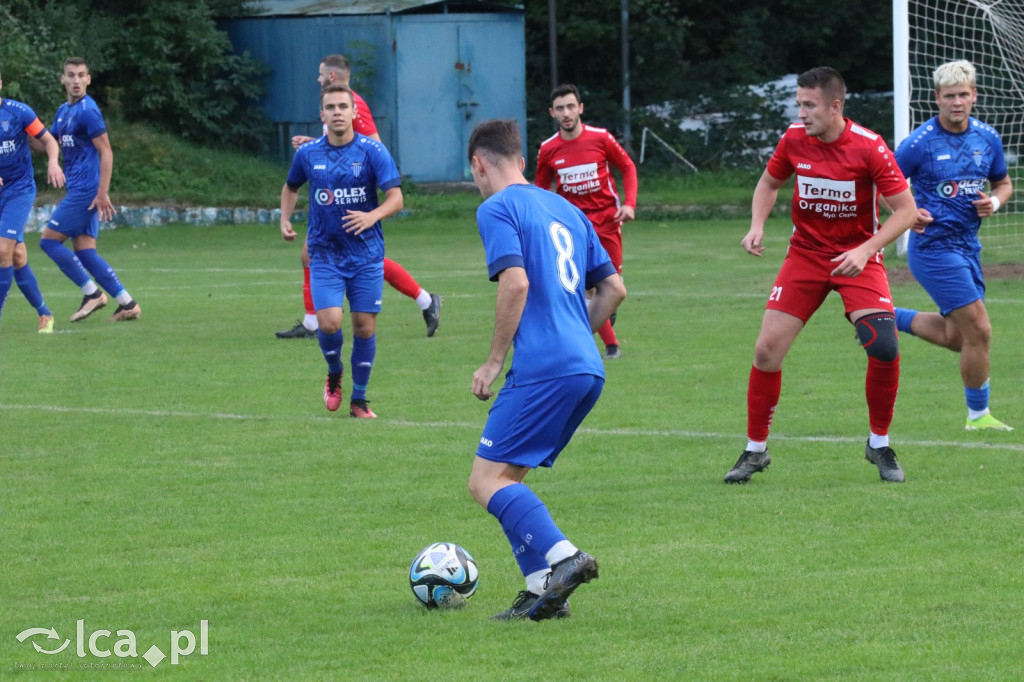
x=182 y=643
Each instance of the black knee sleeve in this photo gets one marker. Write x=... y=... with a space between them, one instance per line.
x=877 y=333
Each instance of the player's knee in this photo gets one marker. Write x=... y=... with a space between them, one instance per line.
x=50 y=246
x=877 y=333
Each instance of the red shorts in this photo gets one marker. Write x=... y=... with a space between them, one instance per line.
x=805 y=280
x=610 y=235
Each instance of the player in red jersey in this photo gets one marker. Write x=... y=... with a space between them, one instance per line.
x=335 y=68
x=841 y=168
x=580 y=158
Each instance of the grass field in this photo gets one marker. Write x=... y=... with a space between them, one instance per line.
x=182 y=468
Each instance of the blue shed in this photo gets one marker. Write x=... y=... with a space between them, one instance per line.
x=430 y=71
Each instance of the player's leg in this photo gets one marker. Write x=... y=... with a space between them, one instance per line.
x=6 y=268
x=508 y=449
x=29 y=285
x=307 y=326
x=104 y=274
x=69 y=219
x=328 y=291
x=972 y=321
x=365 y=289
x=611 y=240
x=876 y=331
x=400 y=279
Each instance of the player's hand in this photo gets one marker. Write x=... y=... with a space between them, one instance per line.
x=287 y=233
x=983 y=205
x=299 y=140
x=753 y=243
x=624 y=214
x=54 y=175
x=357 y=222
x=483 y=378
x=923 y=220
x=851 y=263
x=103 y=206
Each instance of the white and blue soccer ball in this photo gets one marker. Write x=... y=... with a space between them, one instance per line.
x=443 y=576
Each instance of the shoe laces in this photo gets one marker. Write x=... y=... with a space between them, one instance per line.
x=522 y=597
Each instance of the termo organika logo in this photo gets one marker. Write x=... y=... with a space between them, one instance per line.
x=102 y=644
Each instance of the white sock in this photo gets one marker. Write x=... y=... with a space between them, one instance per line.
x=124 y=298
x=563 y=549
x=755 y=446
x=423 y=299
x=876 y=441
x=89 y=288
x=976 y=414
x=537 y=581
x=310 y=323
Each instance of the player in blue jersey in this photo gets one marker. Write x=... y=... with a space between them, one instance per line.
x=19 y=124
x=949 y=159
x=88 y=163
x=544 y=254
x=345 y=239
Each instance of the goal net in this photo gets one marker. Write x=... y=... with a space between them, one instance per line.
x=990 y=34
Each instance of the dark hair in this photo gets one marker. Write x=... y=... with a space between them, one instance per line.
x=825 y=78
x=337 y=62
x=563 y=90
x=496 y=139
x=335 y=87
x=75 y=61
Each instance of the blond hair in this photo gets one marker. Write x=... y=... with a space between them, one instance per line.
x=960 y=72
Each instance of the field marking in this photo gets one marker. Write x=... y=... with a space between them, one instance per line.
x=656 y=433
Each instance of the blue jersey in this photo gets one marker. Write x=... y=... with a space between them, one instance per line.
x=529 y=227
x=947 y=170
x=343 y=179
x=75 y=126
x=17 y=122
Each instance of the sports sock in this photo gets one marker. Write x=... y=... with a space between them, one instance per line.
x=309 y=322
x=880 y=386
x=562 y=549
x=530 y=560
x=977 y=400
x=876 y=441
x=396 y=276
x=763 y=391
x=29 y=285
x=538 y=580
x=68 y=263
x=330 y=345
x=904 y=318
x=755 y=446
x=423 y=299
x=6 y=279
x=607 y=334
x=522 y=515
x=102 y=272
x=307 y=296
x=363 y=353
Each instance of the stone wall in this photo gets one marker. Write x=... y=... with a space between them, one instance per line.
x=154 y=216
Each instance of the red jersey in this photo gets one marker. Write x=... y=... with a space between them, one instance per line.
x=835 y=205
x=584 y=174
x=362 y=123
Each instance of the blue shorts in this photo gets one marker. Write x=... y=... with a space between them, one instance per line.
x=529 y=425
x=362 y=284
x=15 y=208
x=73 y=218
x=953 y=279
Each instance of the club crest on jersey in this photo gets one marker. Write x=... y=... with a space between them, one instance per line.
x=357 y=168
x=5 y=125
x=977 y=158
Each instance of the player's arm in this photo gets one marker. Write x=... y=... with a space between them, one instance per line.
x=54 y=174
x=356 y=222
x=289 y=197
x=998 y=194
x=620 y=159
x=544 y=175
x=102 y=201
x=299 y=140
x=513 y=286
x=765 y=194
x=902 y=218
x=608 y=295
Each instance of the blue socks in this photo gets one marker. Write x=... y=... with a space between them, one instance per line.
x=977 y=398
x=904 y=316
x=363 y=353
x=29 y=285
x=330 y=345
x=527 y=525
x=66 y=261
x=6 y=279
x=100 y=271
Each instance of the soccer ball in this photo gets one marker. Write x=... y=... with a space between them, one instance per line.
x=443 y=576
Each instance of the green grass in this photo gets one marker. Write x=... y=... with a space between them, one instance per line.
x=181 y=468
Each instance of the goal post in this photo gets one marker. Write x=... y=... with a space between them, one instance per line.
x=989 y=34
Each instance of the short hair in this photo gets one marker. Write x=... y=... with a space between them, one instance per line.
x=563 y=90
x=75 y=61
x=335 y=87
x=496 y=140
x=337 y=62
x=825 y=78
x=960 y=72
